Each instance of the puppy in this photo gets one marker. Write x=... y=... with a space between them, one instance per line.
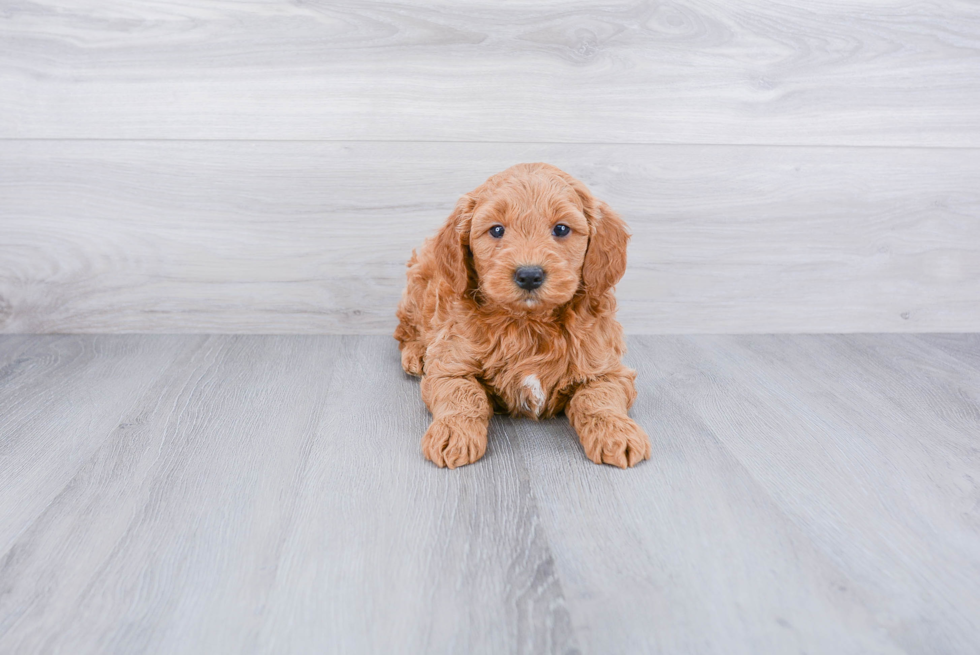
x=510 y=307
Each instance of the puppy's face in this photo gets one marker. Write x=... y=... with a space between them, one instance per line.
x=528 y=239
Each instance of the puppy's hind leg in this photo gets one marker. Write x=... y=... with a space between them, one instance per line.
x=413 y=357
x=413 y=352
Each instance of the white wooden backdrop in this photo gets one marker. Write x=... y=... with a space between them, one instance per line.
x=177 y=166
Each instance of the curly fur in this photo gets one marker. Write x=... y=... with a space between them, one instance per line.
x=482 y=344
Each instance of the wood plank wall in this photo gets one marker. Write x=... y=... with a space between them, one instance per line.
x=177 y=166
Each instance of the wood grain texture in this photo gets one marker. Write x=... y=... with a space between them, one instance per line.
x=965 y=348
x=62 y=399
x=312 y=237
x=687 y=554
x=267 y=494
x=257 y=500
x=865 y=430
x=821 y=72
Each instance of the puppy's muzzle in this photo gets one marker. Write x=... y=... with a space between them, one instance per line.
x=529 y=278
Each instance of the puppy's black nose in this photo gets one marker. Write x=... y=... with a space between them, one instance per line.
x=529 y=277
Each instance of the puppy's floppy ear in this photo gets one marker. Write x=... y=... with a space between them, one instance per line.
x=452 y=247
x=605 y=259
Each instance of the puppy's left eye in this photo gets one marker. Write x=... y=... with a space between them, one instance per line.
x=561 y=230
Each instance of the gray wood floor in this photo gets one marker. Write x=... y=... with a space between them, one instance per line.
x=203 y=494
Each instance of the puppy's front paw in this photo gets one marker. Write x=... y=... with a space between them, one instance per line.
x=454 y=442
x=614 y=439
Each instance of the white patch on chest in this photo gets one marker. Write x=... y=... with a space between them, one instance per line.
x=533 y=401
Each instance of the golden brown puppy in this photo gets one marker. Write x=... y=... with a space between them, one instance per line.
x=510 y=307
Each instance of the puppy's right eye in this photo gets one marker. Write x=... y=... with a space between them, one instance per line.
x=497 y=231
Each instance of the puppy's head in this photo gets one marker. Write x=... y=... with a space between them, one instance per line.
x=530 y=238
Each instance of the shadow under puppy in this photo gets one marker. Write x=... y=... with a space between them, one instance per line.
x=510 y=307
